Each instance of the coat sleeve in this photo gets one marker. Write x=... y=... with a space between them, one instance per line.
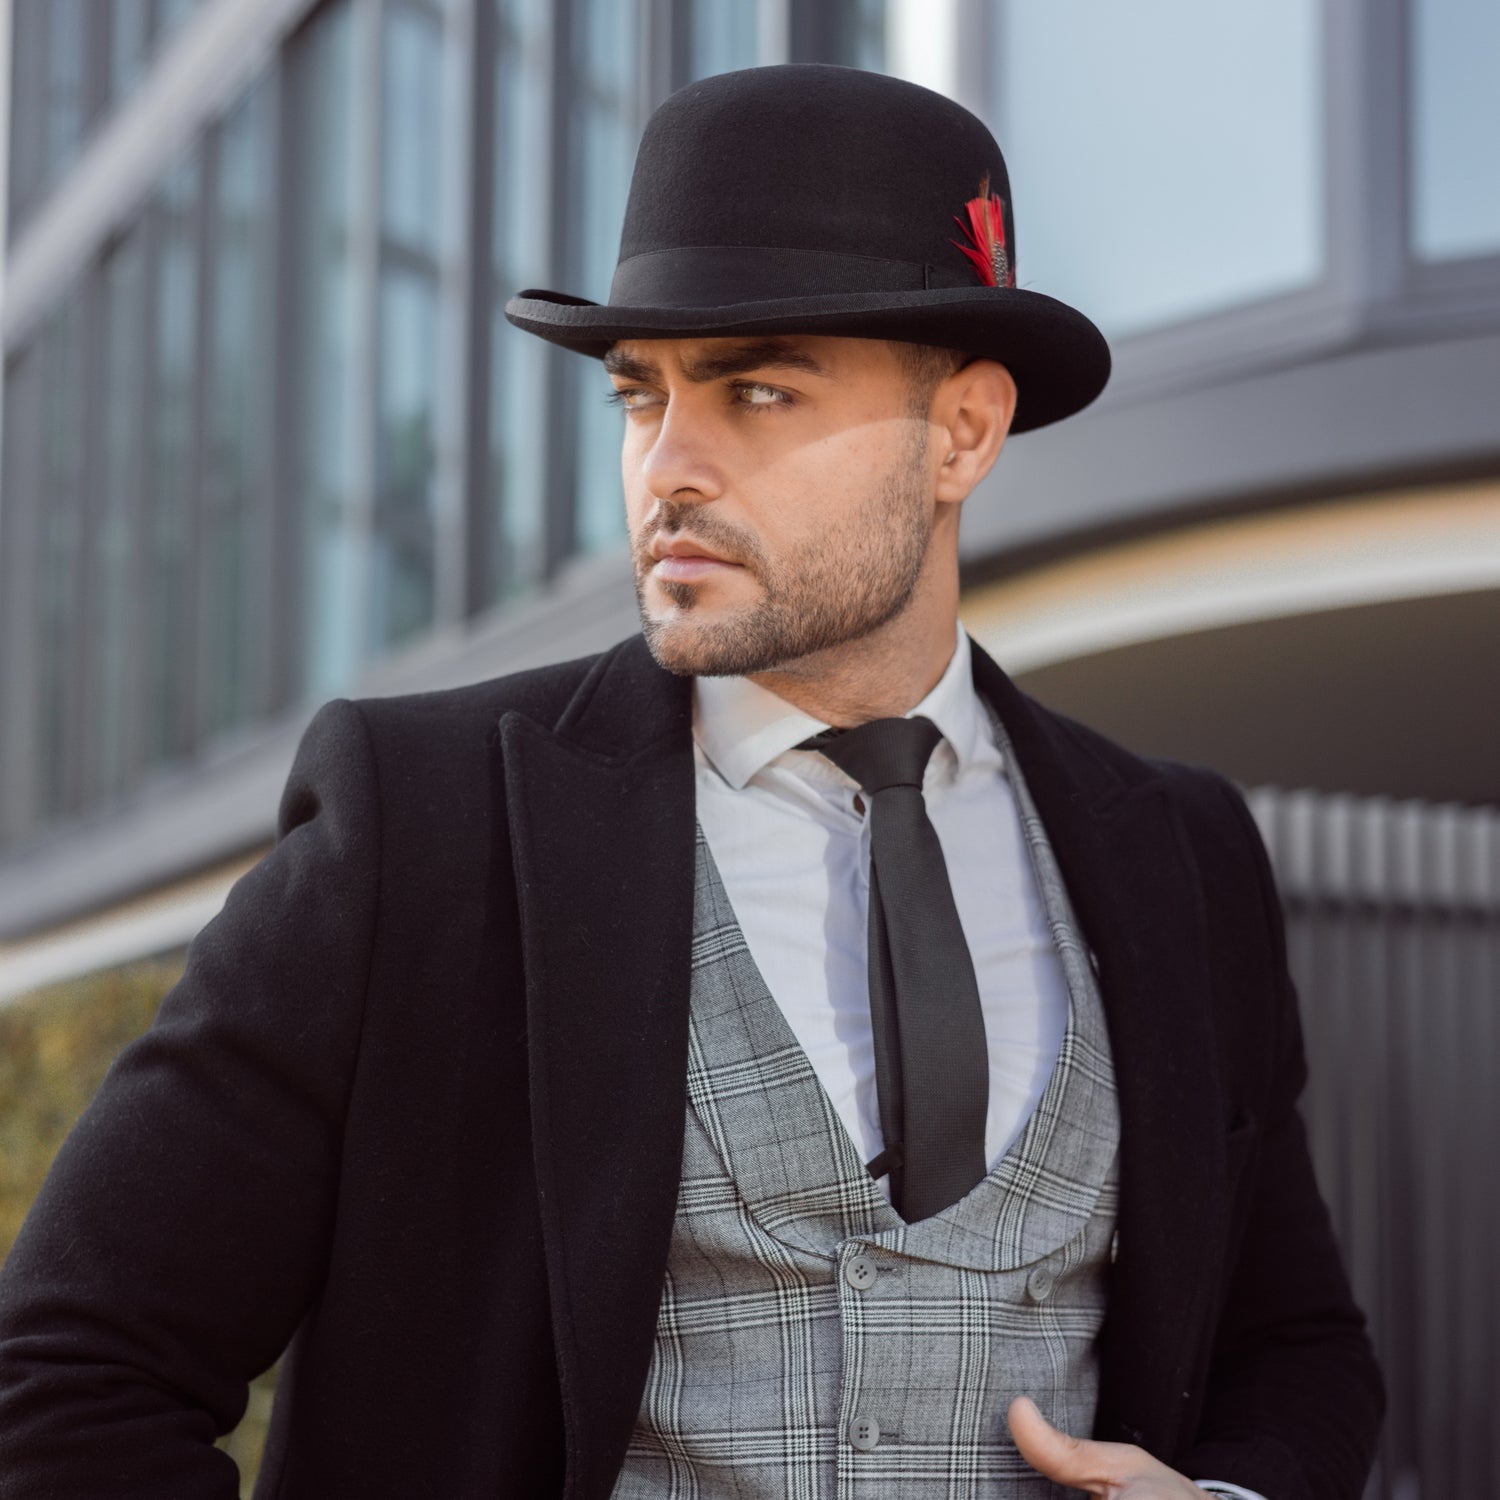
x=182 y=1231
x=1294 y=1397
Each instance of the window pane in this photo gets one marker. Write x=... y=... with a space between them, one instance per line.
x=66 y=104
x=721 y=37
x=332 y=550
x=129 y=45
x=521 y=192
x=411 y=124
x=1165 y=156
x=863 y=39
x=170 y=478
x=125 y=361
x=401 y=585
x=517 y=442
x=849 y=32
x=28 y=109
x=402 y=563
x=236 y=447
x=603 y=139
x=602 y=150
x=172 y=13
x=21 y=515
x=1456 y=121
x=59 y=598
x=517 y=461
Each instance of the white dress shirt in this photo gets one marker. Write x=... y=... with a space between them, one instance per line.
x=792 y=845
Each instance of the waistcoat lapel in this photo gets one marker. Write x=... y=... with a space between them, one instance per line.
x=1130 y=874
x=601 y=822
x=758 y=1099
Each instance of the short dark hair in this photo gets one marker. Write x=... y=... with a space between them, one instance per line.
x=927 y=366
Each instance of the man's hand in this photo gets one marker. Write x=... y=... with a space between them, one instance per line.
x=1115 y=1471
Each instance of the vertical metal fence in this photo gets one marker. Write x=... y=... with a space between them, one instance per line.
x=1393 y=927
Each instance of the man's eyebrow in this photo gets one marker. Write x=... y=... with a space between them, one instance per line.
x=740 y=359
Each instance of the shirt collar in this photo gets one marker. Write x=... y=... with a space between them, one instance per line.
x=742 y=727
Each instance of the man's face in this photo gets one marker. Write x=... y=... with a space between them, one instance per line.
x=778 y=494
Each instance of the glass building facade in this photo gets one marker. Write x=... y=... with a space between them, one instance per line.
x=274 y=430
x=278 y=427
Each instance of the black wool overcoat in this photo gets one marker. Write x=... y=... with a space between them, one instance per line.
x=416 y=1108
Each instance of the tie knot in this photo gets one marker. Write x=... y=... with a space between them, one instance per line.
x=881 y=754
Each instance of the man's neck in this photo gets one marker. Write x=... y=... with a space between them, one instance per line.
x=867 y=679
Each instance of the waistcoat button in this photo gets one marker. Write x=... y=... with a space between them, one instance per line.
x=860 y=1272
x=864 y=1433
x=1039 y=1284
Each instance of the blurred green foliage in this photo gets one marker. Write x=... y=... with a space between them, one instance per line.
x=56 y=1045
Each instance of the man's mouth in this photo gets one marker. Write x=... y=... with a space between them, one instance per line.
x=680 y=560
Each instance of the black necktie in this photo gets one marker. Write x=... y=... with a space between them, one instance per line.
x=932 y=1075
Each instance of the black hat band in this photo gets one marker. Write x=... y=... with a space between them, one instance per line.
x=716 y=275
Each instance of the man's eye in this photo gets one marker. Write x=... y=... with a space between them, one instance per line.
x=630 y=398
x=761 y=395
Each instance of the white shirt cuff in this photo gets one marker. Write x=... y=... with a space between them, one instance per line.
x=1228 y=1491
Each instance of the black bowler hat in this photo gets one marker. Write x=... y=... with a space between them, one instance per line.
x=807 y=198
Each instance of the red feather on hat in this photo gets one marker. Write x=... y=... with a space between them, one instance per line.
x=986 y=232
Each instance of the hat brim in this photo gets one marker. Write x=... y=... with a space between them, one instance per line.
x=1058 y=358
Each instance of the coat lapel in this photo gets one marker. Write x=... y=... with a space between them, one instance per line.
x=1130 y=874
x=601 y=810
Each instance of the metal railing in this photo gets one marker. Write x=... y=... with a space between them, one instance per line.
x=1393 y=931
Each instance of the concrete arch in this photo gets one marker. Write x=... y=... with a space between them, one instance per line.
x=1348 y=646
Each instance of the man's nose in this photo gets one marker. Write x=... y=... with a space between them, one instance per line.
x=681 y=462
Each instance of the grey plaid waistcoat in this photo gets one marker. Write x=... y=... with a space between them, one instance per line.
x=810 y=1343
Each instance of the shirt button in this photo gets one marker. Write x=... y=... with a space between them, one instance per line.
x=1039 y=1284
x=864 y=1433
x=860 y=1272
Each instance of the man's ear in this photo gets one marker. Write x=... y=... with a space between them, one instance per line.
x=972 y=411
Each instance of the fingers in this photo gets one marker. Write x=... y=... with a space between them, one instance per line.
x=1068 y=1460
x=1104 y=1469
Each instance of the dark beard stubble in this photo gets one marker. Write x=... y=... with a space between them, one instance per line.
x=844 y=587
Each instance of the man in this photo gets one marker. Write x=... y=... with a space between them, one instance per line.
x=758 y=1060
